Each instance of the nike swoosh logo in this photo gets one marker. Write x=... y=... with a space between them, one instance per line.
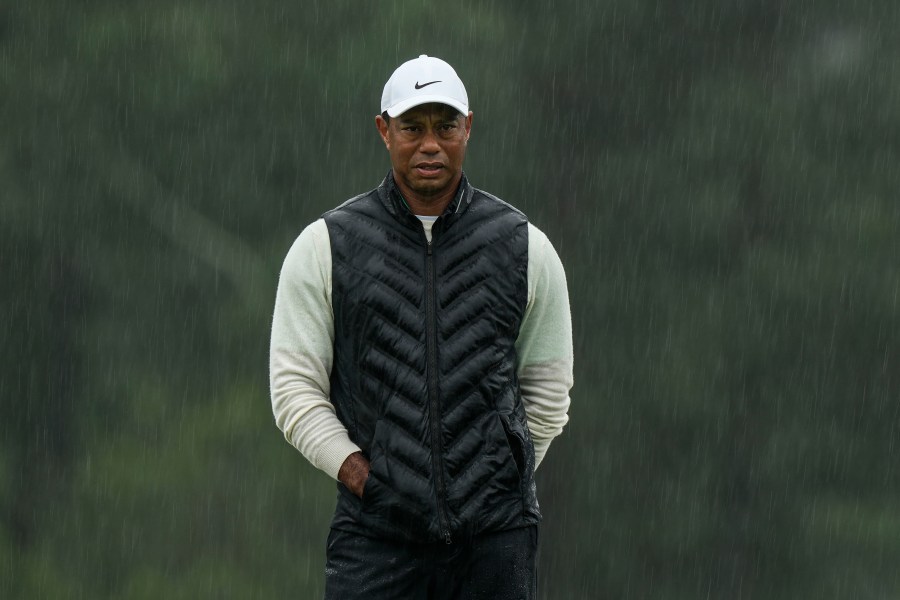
x=419 y=87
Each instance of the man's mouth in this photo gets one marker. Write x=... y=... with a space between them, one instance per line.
x=429 y=168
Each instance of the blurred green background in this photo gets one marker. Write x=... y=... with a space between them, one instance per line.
x=720 y=178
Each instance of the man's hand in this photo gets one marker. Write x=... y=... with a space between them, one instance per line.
x=354 y=472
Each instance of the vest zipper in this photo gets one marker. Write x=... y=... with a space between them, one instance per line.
x=434 y=405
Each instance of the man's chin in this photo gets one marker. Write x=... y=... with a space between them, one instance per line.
x=429 y=187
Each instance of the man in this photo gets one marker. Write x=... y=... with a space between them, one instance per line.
x=422 y=356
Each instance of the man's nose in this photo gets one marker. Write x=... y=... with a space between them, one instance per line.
x=429 y=143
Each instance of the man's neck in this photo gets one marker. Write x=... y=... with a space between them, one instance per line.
x=433 y=206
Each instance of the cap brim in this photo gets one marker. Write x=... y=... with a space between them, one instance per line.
x=403 y=106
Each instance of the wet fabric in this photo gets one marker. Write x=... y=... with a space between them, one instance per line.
x=492 y=566
x=424 y=375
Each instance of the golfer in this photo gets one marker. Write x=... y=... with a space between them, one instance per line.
x=421 y=355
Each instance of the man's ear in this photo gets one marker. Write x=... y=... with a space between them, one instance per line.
x=382 y=126
x=468 y=125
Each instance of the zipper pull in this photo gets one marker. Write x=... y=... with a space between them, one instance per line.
x=429 y=248
x=447 y=539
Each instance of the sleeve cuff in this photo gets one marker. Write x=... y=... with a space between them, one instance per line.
x=540 y=449
x=333 y=453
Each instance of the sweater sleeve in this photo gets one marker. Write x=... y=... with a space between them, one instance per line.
x=544 y=345
x=301 y=353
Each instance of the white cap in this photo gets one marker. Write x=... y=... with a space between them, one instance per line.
x=420 y=81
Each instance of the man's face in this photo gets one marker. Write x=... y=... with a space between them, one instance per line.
x=427 y=145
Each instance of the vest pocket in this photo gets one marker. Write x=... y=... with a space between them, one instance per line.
x=373 y=481
x=516 y=443
x=370 y=489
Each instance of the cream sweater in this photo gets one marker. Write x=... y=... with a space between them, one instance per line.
x=303 y=337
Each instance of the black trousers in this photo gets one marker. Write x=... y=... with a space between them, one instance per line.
x=492 y=566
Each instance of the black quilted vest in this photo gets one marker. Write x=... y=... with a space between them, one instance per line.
x=424 y=374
